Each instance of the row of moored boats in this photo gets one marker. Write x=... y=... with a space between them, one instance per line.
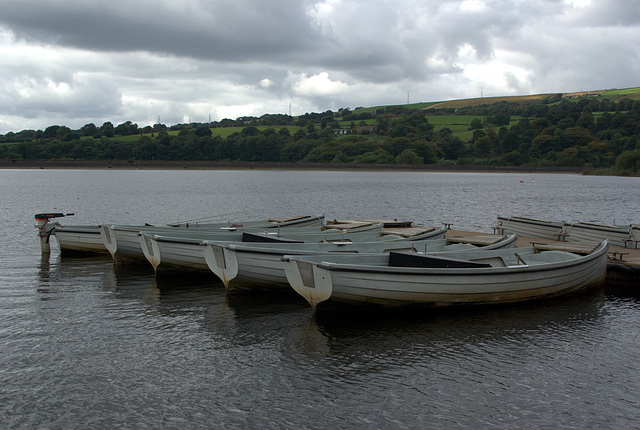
x=627 y=236
x=345 y=263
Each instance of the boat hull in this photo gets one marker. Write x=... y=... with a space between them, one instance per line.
x=170 y=254
x=78 y=240
x=616 y=235
x=324 y=283
x=174 y=256
x=124 y=245
x=245 y=267
x=529 y=227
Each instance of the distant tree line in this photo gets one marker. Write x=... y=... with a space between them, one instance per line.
x=551 y=132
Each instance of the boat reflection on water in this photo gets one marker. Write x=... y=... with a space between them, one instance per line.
x=306 y=343
x=168 y=294
x=55 y=272
x=370 y=341
x=376 y=340
x=263 y=319
x=231 y=321
x=460 y=323
x=46 y=269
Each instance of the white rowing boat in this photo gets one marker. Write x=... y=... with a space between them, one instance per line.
x=530 y=227
x=618 y=235
x=123 y=243
x=71 y=239
x=468 y=278
x=79 y=239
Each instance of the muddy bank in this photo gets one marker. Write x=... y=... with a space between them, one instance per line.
x=216 y=165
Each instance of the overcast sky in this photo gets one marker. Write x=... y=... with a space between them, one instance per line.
x=70 y=62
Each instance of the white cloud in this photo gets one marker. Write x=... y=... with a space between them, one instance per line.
x=318 y=85
x=472 y=6
x=578 y=3
x=266 y=83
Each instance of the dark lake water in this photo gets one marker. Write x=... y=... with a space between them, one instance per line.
x=86 y=345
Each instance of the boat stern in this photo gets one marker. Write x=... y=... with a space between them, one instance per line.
x=222 y=261
x=46 y=228
x=150 y=249
x=307 y=279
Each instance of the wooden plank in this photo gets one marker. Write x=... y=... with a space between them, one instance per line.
x=408 y=231
x=477 y=239
x=583 y=248
x=359 y=222
x=345 y=225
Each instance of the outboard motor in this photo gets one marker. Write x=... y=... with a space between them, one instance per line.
x=46 y=228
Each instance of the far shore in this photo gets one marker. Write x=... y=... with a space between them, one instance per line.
x=217 y=165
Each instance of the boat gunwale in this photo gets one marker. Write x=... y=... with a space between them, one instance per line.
x=247 y=248
x=602 y=248
x=257 y=224
x=75 y=230
x=618 y=229
x=203 y=242
x=554 y=224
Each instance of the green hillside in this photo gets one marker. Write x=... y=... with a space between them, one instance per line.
x=590 y=130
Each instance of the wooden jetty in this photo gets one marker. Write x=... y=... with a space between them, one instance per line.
x=623 y=267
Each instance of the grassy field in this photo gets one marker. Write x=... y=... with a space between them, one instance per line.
x=459 y=124
x=613 y=94
x=421 y=105
x=489 y=100
x=628 y=93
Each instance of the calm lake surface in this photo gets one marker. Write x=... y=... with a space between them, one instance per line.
x=86 y=345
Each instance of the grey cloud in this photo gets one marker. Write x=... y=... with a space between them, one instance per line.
x=223 y=30
x=84 y=97
x=377 y=41
x=616 y=13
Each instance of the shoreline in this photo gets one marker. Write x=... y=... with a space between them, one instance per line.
x=218 y=165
